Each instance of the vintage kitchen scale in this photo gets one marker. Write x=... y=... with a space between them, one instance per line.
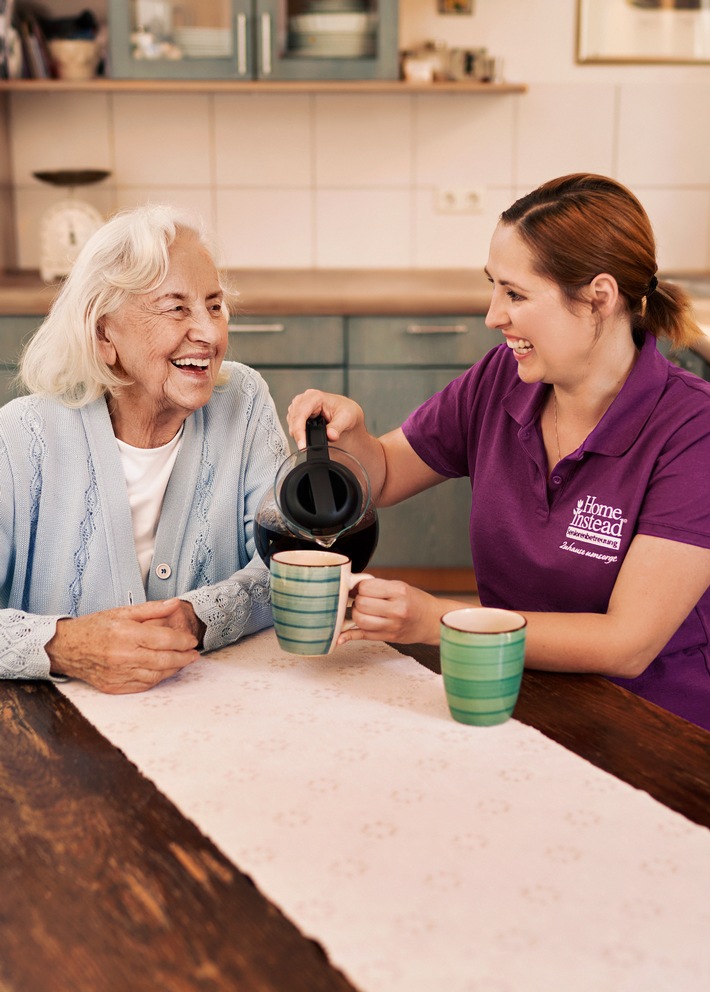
x=68 y=224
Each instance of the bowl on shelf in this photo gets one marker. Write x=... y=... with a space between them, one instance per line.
x=336 y=6
x=332 y=45
x=333 y=35
x=352 y=23
x=197 y=42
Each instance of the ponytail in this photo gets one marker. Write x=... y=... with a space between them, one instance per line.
x=667 y=312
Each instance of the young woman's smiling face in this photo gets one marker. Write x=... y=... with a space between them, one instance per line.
x=168 y=344
x=548 y=339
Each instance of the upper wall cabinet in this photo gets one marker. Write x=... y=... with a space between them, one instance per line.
x=253 y=39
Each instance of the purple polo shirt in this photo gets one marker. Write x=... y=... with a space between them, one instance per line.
x=557 y=545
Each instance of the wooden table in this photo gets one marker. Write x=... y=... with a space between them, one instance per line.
x=105 y=886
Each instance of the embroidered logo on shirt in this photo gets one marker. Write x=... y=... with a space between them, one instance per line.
x=594 y=523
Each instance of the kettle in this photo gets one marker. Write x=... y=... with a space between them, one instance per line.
x=321 y=498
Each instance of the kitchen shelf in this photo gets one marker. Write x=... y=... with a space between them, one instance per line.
x=253 y=86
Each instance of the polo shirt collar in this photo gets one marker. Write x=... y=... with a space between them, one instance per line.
x=624 y=420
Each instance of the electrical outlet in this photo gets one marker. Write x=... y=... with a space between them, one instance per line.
x=459 y=200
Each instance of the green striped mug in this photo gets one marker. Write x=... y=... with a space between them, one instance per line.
x=482 y=654
x=309 y=597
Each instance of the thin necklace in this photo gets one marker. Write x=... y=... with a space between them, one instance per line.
x=557 y=436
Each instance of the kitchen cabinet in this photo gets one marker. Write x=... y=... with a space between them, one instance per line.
x=253 y=39
x=14 y=334
x=395 y=363
x=292 y=353
x=387 y=364
x=685 y=359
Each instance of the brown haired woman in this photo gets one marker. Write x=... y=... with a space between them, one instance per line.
x=588 y=454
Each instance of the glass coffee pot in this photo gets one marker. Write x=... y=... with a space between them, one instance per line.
x=321 y=499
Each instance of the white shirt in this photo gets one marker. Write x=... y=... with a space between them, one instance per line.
x=147 y=472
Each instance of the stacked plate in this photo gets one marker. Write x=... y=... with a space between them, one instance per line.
x=333 y=34
x=204 y=43
x=335 y=6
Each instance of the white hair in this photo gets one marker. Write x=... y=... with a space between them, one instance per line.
x=128 y=255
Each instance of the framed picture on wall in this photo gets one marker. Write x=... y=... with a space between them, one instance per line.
x=455 y=6
x=643 y=31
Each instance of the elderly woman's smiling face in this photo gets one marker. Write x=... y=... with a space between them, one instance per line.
x=168 y=344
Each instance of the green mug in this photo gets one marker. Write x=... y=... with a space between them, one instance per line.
x=482 y=656
x=309 y=597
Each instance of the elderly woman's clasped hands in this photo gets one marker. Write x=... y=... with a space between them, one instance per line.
x=127 y=649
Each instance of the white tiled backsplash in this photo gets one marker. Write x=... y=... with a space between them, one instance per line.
x=350 y=180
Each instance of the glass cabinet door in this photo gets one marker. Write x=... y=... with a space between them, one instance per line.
x=327 y=39
x=181 y=39
x=248 y=39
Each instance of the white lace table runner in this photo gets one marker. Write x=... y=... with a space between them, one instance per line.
x=424 y=855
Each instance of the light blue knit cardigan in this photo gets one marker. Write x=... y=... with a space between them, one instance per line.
x=66 y=538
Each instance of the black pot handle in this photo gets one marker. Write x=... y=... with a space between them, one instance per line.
x=316 y=436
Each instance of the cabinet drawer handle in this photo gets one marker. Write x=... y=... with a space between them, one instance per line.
x=266 y=44
x=256 y=328
x=437 y=329
x=241 y=44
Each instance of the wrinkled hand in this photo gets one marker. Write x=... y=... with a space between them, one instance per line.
x=341 y=414
x=128 y=649
x=386 y=610
x=183 y=618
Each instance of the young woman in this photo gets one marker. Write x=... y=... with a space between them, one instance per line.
x=588 y=454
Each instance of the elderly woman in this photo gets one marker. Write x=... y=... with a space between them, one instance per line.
x=131 y=473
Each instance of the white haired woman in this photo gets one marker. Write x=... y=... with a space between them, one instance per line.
x=131 y=473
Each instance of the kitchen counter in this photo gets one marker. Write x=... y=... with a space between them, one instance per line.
x=337 y=292
x=343 y=292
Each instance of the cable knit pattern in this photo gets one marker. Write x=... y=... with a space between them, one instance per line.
x=202 y=555
x=66 y=539
x=32 y=423
x=86 y=532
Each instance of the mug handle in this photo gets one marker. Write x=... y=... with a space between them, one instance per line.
x=355 y=579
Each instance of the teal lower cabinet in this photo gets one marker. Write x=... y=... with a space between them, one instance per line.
x=389 y=365
x=394 y=364
x=15 y=332
x=431 y=529
x=9 y=387
x=284 y=384
x=292 y=353
x=685 y=359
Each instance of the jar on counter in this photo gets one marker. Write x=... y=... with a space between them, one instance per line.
x=426 y=62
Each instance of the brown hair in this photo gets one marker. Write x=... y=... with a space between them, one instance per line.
x=580 y=225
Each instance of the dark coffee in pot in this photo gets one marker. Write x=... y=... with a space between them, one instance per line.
x=358 y=542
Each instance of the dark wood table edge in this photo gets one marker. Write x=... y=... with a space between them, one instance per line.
x=192 y=919
x=108 y=852
x=644 y=745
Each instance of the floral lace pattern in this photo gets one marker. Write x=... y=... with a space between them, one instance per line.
x=22 y=645
x=422 y=854
x=233 y=607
